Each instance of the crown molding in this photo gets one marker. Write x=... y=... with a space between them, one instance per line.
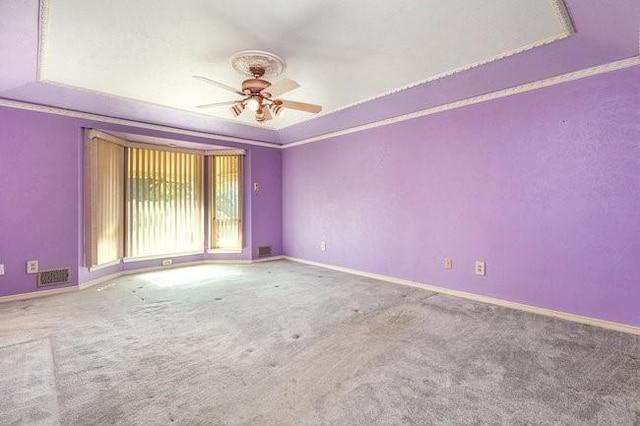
x=557 y=6
x=44 y=13
x=564 y=78
x=138 y=124
x=567 y=30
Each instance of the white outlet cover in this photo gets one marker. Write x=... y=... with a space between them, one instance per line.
x=32 y=267
x=480 y=268
x=1 y=268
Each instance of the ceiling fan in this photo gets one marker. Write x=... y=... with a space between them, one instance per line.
x=258 y=94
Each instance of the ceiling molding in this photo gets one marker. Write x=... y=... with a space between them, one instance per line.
x=43 y=30
x=182 y=111
x=567 y=30
x=564 y=78
x=141 y=125
x=558 y=7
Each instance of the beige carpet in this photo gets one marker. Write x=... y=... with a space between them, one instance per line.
x=282 y=343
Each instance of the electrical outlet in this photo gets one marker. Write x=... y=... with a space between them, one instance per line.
x=448 y=263
x=167 y=262
x=1 y=268
x=32 y=267
x=323 y=245
x=480 y=268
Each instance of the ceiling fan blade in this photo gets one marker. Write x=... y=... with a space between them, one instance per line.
x=218 y=84
x=301 y=106
x=280 y=87
x=217 y=104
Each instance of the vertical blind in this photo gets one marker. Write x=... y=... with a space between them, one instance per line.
x=104 y=201
x=164 y=202
x=225 y=191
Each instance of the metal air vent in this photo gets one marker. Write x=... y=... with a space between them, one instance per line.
x=54 y=277
x=264 y=251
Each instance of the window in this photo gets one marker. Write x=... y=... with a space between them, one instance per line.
x=143 y=201
x=164 y=202
x=225 y=225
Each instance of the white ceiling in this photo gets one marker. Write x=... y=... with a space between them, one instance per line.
x=341 y=52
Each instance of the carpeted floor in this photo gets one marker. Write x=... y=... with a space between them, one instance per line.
x=282 y=343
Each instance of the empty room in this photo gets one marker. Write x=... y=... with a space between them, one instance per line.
x=319 y=212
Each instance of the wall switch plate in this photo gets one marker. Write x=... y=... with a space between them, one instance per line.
x=1 y=268
x=480 y=268
x=448 y=263
x=323 y=245
x=167 y=262
x=32 y=267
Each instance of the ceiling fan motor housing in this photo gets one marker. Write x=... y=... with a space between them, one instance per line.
x=254 y=85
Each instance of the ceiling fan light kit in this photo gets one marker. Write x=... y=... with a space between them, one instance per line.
x=259 y=95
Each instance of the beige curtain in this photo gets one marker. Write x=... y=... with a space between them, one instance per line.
x=104 y=202
x=164 y=202
x=225 y=194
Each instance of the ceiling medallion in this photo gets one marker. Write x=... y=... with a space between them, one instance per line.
x=246 y=60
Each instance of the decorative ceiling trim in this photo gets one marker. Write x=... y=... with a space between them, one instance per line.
x=183 y=111
x=43 y=30
x=43 y=43
x=567 y=30
x=564 y=78
x=138 y=124
x=558 y=6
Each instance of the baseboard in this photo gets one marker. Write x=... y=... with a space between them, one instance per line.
x=267 y=259
x=38 y=293
x=119 y=274
x=478 y=298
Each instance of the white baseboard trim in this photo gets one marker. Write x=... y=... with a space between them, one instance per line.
x=478 y=298
x=38 y=293
x=173 y=266
x=267 y=259
x=119 y=274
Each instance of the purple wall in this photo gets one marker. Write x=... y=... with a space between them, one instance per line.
x=543 y=186
x=41 y=197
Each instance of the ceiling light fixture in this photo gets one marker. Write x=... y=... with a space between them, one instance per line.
x=276 y=108
x=259 y=95
x=254 y=103
x=237 y=109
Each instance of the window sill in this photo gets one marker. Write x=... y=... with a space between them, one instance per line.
x=104 y=265
x=221 y=251
x=160 y=256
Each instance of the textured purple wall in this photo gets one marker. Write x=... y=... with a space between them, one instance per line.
x=543 y=186
x=266 y=211
x=41 y=197
x=38 y=196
